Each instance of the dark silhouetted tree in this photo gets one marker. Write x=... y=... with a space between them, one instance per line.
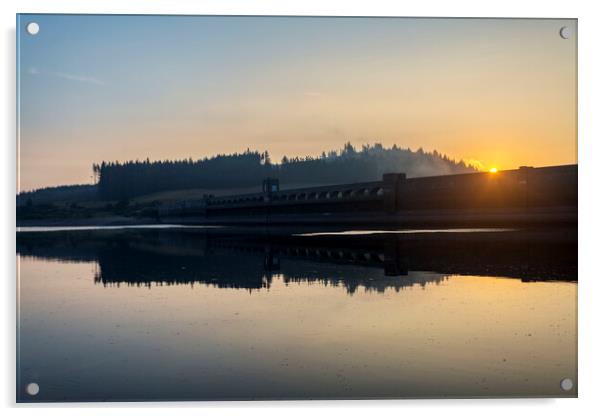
x=123 y=180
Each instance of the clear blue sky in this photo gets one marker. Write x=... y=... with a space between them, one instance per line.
x=93 y=88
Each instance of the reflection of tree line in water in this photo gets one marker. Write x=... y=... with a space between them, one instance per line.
x=250 y=261
x=247 y=269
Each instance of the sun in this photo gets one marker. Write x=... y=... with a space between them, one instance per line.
x=493 y=170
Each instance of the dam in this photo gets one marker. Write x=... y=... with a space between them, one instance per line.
x=527 y=195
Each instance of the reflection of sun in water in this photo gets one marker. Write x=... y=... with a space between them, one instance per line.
x=493 y=170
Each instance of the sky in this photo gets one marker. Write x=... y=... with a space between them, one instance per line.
x=493 y=92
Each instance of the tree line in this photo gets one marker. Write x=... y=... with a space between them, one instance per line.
x=123 y=180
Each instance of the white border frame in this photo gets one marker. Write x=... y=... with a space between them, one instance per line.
x=590 y=137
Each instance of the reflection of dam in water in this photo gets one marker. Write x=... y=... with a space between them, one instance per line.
x=247 y=270
x=251 y=261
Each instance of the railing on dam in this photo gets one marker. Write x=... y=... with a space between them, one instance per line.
x=510 y=189
x=349 y=192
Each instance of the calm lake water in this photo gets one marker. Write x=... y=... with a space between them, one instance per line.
x=196 y=314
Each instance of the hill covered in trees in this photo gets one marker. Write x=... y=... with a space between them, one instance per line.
x=58 y=194
x=123 y=180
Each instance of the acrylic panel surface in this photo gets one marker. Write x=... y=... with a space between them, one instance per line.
x=260 y=208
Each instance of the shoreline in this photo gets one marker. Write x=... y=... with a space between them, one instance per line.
x=92 y=222
x=536 y=217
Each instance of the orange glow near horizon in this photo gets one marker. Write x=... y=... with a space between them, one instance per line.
x=462 y=87
x=493 y=170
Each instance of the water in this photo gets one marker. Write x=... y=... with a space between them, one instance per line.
x=409 y=231
x=194 y=314
x=47 y=229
